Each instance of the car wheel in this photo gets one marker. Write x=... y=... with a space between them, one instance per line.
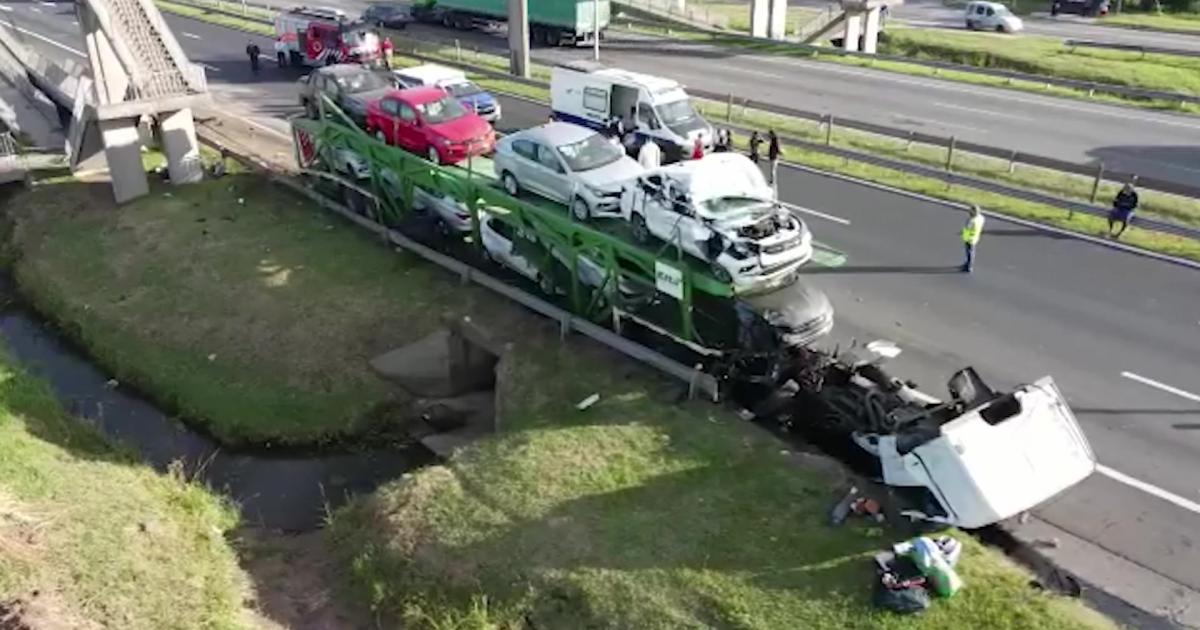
x=433 y=156
x=580 y=210
x=1001 y=28
x=380 y=137
x=511 y=185
x=720 y=273
x=640 y=232
x=970 y=25
x=545 y=284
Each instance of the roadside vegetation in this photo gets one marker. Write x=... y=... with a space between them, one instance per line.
x=91 y=538
x=208 y=297
x=1182 y=21
x=640 y=512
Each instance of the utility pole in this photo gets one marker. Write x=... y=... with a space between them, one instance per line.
x=595 y=30
x=518 y=38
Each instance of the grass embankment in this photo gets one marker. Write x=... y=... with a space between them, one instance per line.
x=639 y=513
x=1047 y=56
x=1170 y=21
x=211 y=298
x=91 y=538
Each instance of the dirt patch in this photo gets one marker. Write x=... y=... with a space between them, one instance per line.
x=295 y=582
x=40 y=611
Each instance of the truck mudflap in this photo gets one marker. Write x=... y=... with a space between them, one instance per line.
x=1004 y=455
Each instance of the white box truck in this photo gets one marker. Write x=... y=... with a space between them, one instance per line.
x=650 y=108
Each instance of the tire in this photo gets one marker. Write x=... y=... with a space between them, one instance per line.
x=1001 y=29
x=311 y=110
x=433 y=156
x=580 y=210
x=281 y=59
x=511 y=185
x=294 y=58
x=720 y=273
x=970 y=25
x=641 y=233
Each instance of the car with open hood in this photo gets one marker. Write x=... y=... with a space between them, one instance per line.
x=721 y=210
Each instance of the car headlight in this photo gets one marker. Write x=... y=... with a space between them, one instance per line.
x=445 y=141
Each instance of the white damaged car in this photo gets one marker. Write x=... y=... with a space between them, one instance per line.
x=720 y=209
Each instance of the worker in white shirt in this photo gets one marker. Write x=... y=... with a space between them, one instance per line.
x=970 y=236
x=650 y=155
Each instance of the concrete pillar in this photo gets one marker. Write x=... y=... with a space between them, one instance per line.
x=871 y=33
x=518 y=38
x=122 y=151
x=179 y=145
x=109 y=76
x=759 y=17
x=852 y=32
x=777 y=19
x=680 y=6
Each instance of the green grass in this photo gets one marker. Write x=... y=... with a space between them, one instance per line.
x=210 y=297
x=1173 y=21
x=735 y=16
x=639 y=513
x=104 y=540
x=1046 y=56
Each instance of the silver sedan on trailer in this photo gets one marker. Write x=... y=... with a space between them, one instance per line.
x=566 y=163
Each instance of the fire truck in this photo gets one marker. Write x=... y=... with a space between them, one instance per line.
x=307 y=36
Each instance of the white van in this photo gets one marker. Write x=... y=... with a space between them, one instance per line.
x=650 y=107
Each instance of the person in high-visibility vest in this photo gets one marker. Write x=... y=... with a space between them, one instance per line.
x=970 y=236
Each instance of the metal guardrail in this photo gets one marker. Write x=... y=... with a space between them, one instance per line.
x=1156 y=50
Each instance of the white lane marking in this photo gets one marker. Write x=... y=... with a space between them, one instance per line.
x=4 y=8
x=189 y=35
x=262 y=56
x=1163 y=386
x=49 y=4
x=985 y=112
x=210 y=68
x=816 y=213
x=35 y=9
x=1151 y=489
x=45 y=39
x=978 y=90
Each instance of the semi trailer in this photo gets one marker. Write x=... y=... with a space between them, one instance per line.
x=551 y=22
x=971 y=460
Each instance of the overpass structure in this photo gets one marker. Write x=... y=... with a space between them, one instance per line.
x=138 y=71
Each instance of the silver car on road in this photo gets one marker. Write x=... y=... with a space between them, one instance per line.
x=569 y=164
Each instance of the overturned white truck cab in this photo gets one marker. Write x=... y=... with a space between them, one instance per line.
x=721 y=210
x=974 y=460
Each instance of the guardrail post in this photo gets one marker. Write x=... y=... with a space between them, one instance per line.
x=950 y=153
x=829 y=130
x=911 y=136
x=729 y=108
x=457 y=50
x=1096 y=183
x=1012 y=162
x=564 y=327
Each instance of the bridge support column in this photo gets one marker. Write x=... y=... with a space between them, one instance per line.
x=760 y=14
x=123 y=152
x=854 y=24
x=518 y=38
x=179 y=144
x=777 y=19
x=871 y=32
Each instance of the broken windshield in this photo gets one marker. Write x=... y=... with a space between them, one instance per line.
x=733 y=205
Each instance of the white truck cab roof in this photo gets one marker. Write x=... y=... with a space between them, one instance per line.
x=657 y=87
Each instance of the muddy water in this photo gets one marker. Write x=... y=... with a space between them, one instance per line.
x=283 y=492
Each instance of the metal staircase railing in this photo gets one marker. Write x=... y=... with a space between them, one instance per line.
x=157 y=73
x=821 y=24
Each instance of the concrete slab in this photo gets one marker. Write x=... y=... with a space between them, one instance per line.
x=33 y=118
x=421 y=367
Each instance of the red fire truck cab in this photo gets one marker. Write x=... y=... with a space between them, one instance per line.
x=321 y=37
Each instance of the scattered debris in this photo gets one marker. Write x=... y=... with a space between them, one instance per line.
x=841 y=509
x=1023 y=518
x=1047 y=543
x=587 y=402
x=212 y=357
x=863 y=506
x=112 y=383
x=907 y=573
x=745 y=414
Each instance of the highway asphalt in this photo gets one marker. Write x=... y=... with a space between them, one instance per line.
x=1119 y=332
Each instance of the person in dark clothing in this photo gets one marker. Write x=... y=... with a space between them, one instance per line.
x=1123 y=204
x=773 y=154
x=755 y=142
x=252 y=51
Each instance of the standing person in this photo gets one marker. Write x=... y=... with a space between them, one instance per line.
x=650 y=155
x=755 y=143
x=970 y=237
x=698 y=149
x=386 y=50
x=773 y=154
x=252 y=51
x=1124 y=204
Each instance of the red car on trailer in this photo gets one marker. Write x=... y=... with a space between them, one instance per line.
x=430 y=122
